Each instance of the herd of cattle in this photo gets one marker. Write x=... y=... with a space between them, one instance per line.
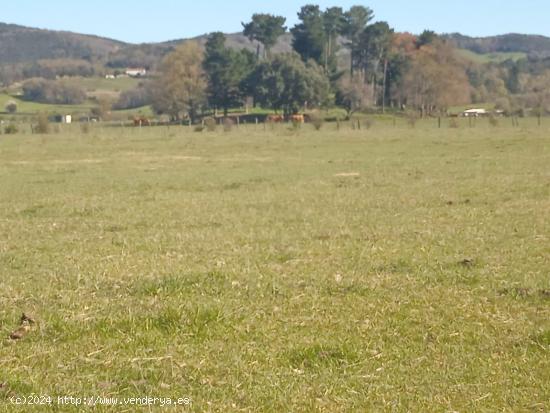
x=297 y=118
x=280 y=118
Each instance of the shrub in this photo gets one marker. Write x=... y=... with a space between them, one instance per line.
x=228 y=124
x=317 y=121
x=11 y=129
x=11 y=107
x=43 y=125
x=453 y=123
x=493 y=121
x=103 y=109
x=412 y=118
x=199 y=128
x=210 y=124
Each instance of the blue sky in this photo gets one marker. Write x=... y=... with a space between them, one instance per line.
x=147 y=21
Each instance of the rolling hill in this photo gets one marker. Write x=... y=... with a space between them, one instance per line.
x=19 y=44
x=531 y=45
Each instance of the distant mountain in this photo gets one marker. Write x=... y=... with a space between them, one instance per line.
x=20 y=44
x=532 y=45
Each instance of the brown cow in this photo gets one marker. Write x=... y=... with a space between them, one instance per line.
x=275 y=118
x=297 y=118
x=142 y=121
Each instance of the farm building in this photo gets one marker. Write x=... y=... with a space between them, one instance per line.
x=136 y=72
x=474 y=113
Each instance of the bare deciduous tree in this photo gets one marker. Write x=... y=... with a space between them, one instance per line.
x=180 y=87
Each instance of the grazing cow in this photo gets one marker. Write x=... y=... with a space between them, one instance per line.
x=275 y=118
x=142 y=121
x=296 y=118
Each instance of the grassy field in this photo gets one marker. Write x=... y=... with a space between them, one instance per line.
x=24 y=108
x=95 y=87
x=94 y=84
x=389 y=269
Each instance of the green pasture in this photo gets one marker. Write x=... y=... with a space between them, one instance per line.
x=93 y=84
x=496 y=57
x=273 y=269
x=25 y=108
x=94 y=87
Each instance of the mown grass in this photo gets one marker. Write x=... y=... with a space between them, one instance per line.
x=388 y=269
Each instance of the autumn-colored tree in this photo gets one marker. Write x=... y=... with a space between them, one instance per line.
x=436 y=79
x=404 y=43
x=534 y=94
x=179 y=89
x=103 y=108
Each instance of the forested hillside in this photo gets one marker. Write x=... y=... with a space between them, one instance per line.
x=23 y=44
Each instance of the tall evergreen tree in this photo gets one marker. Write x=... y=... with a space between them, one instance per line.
x=426 y=37
x=266 y=29
x=309 y=35
x=357 y=18
x=333 y=24
x=225 y=70
x=373 y=50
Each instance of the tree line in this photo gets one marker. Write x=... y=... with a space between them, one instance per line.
x=339 y=57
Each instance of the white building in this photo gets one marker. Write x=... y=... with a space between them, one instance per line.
x=474 y=113
x=136 y=72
